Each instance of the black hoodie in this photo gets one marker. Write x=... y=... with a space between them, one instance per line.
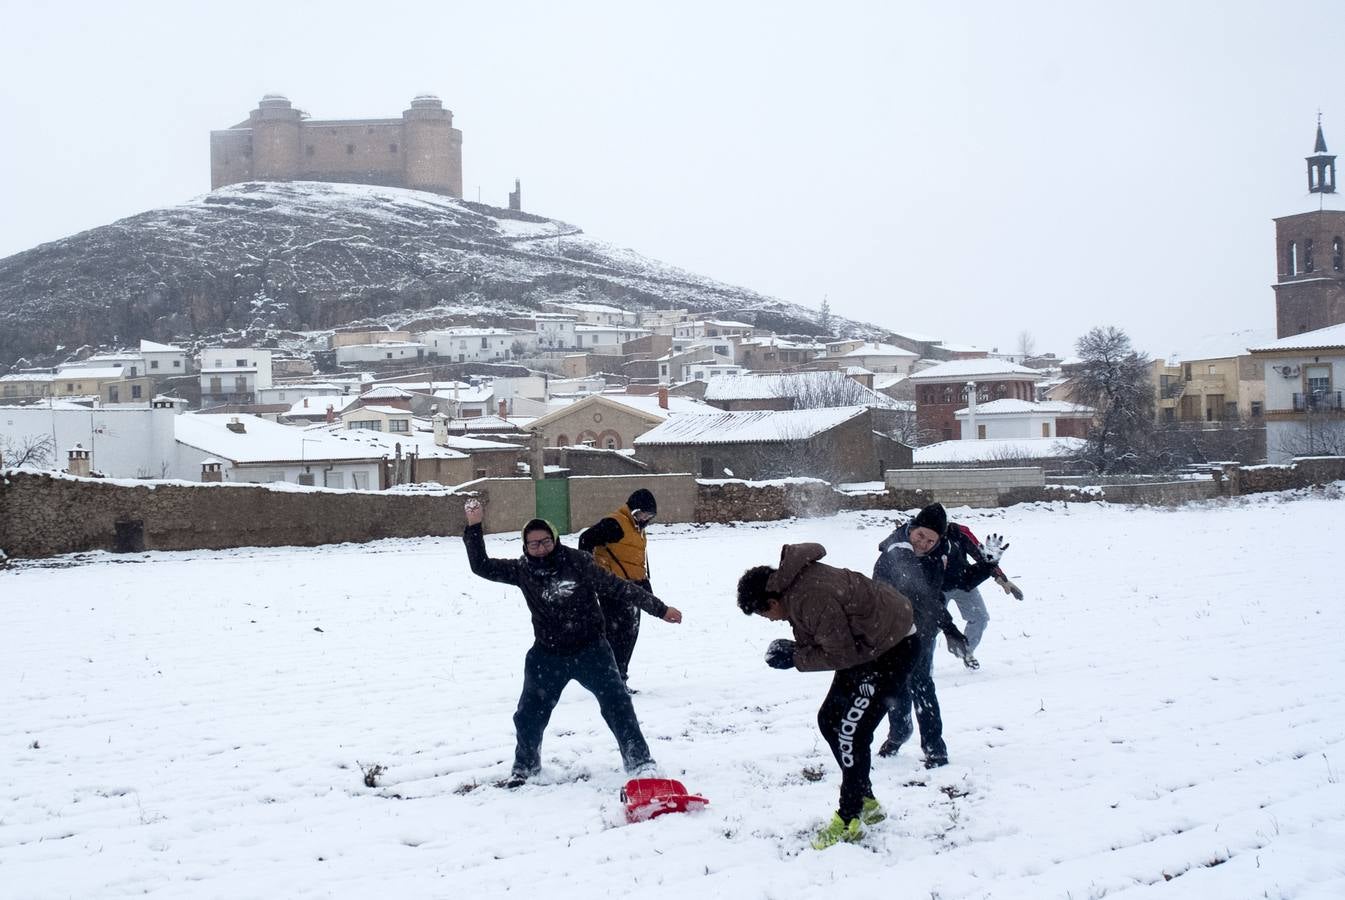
x=563 y=589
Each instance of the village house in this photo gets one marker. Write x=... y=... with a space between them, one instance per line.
x=383 y=352
x=1304 y=411
x=233 y=375
x=1019 y=419
x=123 y=441
x=836 y=444
x=941 y=390
x=478 y=344
x=594 y=313
x=253 y=450
x=876 y=357
x=19 y=387
x=774 y=354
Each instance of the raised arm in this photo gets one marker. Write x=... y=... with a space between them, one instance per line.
x=501 y=570
x=607 y=584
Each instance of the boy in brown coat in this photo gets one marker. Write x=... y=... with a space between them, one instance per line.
x=862 y=630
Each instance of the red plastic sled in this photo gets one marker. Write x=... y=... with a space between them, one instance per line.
x=646 y=798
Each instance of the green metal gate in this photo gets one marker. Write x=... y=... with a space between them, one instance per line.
x=553 y=503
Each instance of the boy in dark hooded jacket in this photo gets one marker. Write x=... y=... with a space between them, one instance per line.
x=914 y=560
x=563 y=589
x=860 y=629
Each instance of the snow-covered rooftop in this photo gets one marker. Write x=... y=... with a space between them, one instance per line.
x=1332 y=336
x=1221 y=346
x=386 y=392
x=810 y=388
x=262 y=441
x=1010 y=406
x=873 y=348
x=152 y=347
x=974 y=368
x=998 y=450
x=316 y=407
x=757 y=426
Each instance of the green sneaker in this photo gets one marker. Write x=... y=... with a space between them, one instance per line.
x=872 y=813
x=838 y=830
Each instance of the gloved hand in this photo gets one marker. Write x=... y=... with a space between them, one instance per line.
x=957 y=645
x=1009 y=587
x=780 y=654
x=994 y=548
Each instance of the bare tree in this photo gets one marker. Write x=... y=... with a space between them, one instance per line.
x=29 y=450
x=1027 y=345
x=1322 y=434
x=1113 y=378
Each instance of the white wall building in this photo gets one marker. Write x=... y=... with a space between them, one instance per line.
x=1305 y=394
x=256 y=451
x=706 y=371
x=383 y=352
x=233 y=375
x=477 y=344
x=1021 y=419
x=125 y=441
x=595 y=313
x=605 y=338
x=163 y=359
x=556 y=331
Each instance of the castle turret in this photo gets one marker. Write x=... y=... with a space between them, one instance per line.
x=433 y=158
x=276 y=144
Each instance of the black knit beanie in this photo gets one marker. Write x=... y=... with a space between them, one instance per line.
x=642 y=499
x=932 y=517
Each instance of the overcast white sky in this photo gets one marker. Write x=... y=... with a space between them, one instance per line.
x=970 y=171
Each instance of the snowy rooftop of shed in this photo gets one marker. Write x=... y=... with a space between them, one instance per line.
x=973 y=368
x=757 y=426
x=997 y=450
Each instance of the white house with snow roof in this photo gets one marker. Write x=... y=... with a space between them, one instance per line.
x=1012 y=419
x=233 y=375
x=871 y=355
x=1304 y=380
x=384 y=352
x=128 y=440
x=478 y=344
x=257 y=451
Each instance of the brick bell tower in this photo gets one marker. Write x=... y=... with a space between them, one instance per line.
x=1310 y=253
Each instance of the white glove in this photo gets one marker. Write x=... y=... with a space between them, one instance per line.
x=993 y=548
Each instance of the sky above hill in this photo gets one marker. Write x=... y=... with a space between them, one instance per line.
x=968 y=171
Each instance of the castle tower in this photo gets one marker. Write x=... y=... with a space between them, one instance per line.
x=1310 y=254
x=433 y=159
x=276 y=143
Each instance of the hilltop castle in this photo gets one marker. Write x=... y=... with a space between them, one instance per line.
x=421 y=150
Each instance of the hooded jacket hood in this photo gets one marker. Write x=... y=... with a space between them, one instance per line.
x=793 y=559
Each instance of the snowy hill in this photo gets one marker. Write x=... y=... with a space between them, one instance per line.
x=269 y=258
x=1159 y=717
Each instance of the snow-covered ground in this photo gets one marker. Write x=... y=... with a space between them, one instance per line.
x=1164 y=715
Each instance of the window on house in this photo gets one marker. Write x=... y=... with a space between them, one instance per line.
x=334 y=479
x=403 y=425
x=1337 y=254
x=177 y=364
x=392 y=148
x=11 y=390
x=1292 y=257
x=708 y=467
x=113 y=394
x=350 y=149
x=485 y=343
x=389 y=355
x=1307 y=256
x=1186 y=371
x=1318 y=379
x=308 y=151
x=1045 y=429
x=980 y=432
x=240 y=363
x=219 y=363
x=1257 y=406
x=216 y=386
x=154 y=364
x=366 y=424
x=135 y=392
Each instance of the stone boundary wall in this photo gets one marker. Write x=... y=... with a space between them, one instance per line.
x=44 y=514
x=965 y=479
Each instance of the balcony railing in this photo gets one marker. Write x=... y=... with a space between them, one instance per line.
x=1317 y=400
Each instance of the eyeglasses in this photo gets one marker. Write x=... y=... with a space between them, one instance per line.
x=539 y=545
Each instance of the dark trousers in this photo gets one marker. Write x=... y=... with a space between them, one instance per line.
x=623 y=629
x=851 y=712
x=919 y=692
x=545 y=676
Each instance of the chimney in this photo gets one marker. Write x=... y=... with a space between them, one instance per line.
x=971 y=411
x=503 y=406
x=305 y=403
x=212 y=470
x=79 y=461
x=331 y=414
x=663 y=398
x=236 y=426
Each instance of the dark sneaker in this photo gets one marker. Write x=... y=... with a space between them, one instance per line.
x=889 y=748
x=934 y=762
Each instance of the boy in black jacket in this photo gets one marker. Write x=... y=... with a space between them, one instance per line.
x=563 y=589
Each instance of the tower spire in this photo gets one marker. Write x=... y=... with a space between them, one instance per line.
x=1321 y=165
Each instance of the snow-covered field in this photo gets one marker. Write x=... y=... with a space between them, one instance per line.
x=1164 y=715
